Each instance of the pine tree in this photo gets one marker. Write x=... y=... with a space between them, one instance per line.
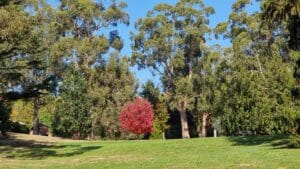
x=25 y=40
x=72 y=115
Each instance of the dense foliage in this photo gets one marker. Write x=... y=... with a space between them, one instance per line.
x=72 y=115
x=137 y=116
x=113 y=86
x=63 y=66
x=160 y=106
x=170 y=40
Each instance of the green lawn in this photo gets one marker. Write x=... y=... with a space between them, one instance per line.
x=232 y=152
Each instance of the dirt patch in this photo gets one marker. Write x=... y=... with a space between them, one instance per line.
x=247 y=165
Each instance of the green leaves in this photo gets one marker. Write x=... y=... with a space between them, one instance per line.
x=112 y=86
x=15 y=30
x=255 y=83
x=249 y=101
x=72 y=116
x=165 y=32
x=170 y=40
x=184 y=87
x=240 y=5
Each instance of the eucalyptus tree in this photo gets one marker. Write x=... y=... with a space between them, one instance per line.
x=169 y=41
x=205 y=87
x=82 y=25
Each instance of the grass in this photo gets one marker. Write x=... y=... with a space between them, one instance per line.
x=22 y=151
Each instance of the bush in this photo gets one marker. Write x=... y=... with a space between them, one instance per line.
x=20 y=128
x=294 y=142
x=15 y=127
x=137 y=117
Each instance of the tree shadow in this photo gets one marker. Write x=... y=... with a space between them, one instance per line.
x=14 y=148
x=276 y=142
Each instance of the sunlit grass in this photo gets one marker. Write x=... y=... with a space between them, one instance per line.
x=231 y=152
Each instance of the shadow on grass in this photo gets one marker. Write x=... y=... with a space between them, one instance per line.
x=276 y=142
x=30 y=149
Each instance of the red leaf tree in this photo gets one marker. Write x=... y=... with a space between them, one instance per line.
x=137 y=116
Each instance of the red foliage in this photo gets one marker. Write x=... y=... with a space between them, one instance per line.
x=137 y=117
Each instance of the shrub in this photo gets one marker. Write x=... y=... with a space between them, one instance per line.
x=15 y=127
x=137 y=117
x=20 y=128
x=294 y=142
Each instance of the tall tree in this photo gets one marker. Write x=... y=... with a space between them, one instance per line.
x=113 y=85
x=205 y=87
x=283 y=17
x=25 y=40
x=170 y=39
x=82 y=25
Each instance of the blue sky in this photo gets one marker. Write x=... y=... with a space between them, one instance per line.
x=138 y=9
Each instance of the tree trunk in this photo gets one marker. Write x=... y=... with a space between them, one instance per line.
x=215 y=132
x=36 y=116
x=76 y=135
x=190 y=69
x=184 y=122
x=183 y=114
x=204 y=123
x=92 y=134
